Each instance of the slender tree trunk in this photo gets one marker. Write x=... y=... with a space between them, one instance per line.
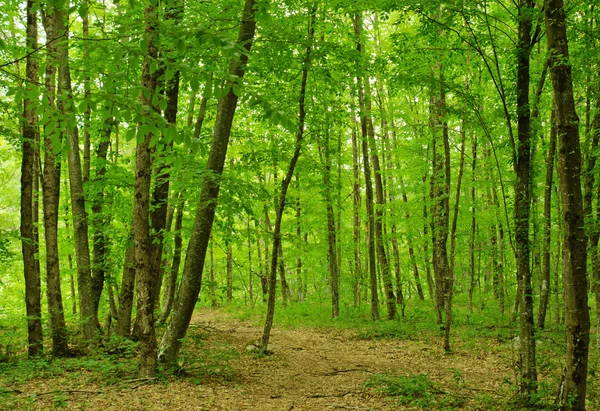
x=299 y=243
x=30 y=137
x=87 y=313
x=334 y=274
x=450 y=277
x=229 y=272
x=160 y=194
x=211 y=274
x=472 y=282
x=123 y=327
x=284 y=186
x=440 y=184
x=99 y=220
x=545 y=284
x=51 y=199
x=411 y=249
x=356 y=218
x=174 y=271
x=573 y=386
x=368 y=182
x=192 y=271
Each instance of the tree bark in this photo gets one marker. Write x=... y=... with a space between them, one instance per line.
x=28 y=246
x=192 y=271
x=87 y=313
x=174 y=271
x=123 y=327
x=573 y=386
x=545 y=284
x=528 y=384
x=51 y=197
x=145 y=277
x=334 y=274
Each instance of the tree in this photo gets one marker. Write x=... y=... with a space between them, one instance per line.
x=196 y=252
x=28 y=245
x=573 y=386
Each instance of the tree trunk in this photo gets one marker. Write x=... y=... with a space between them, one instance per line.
x=334 y=274
x=356 y=218
x=229 y=270
x=87 y=313
x=144 y=274
x=51 y=199
x=472 y=282
x=123 y=327
x=284 y=186
x=174 y=271
x=192 y=271
x=99 y=220
x=528 y=385
x=30 y=137
x=368 y=183
x=545 y=285
x=573 y=386
x=440 y=185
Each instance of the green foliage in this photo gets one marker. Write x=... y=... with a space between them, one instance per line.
x=415 y=390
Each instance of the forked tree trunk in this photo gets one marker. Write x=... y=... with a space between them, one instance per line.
x=574 y=384
x=192 y=271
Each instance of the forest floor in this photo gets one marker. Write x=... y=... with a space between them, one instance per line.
x=309 y=369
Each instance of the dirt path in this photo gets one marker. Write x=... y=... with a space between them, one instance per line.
x=309 y=370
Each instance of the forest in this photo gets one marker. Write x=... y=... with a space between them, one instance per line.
x=299 y=204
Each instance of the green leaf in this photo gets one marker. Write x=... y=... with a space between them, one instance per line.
x=130 y=133
x=82 y=106
x=169 y=74
x=143 y=46
x=194 y=84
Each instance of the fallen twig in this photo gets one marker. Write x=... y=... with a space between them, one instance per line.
x=11 y=391
x=348 y=407
x=39 y=394
x=333 y=395
x=336 y=372
x=143 y=381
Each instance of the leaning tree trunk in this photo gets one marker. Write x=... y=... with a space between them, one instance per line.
x=284 y=186
x=192 y=271
x=30 y=137
x=51 y=197
x=573 y=386
x=87 y=313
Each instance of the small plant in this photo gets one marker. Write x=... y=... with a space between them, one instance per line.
x=416 y=390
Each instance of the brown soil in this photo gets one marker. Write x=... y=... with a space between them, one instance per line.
x=308 y=370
